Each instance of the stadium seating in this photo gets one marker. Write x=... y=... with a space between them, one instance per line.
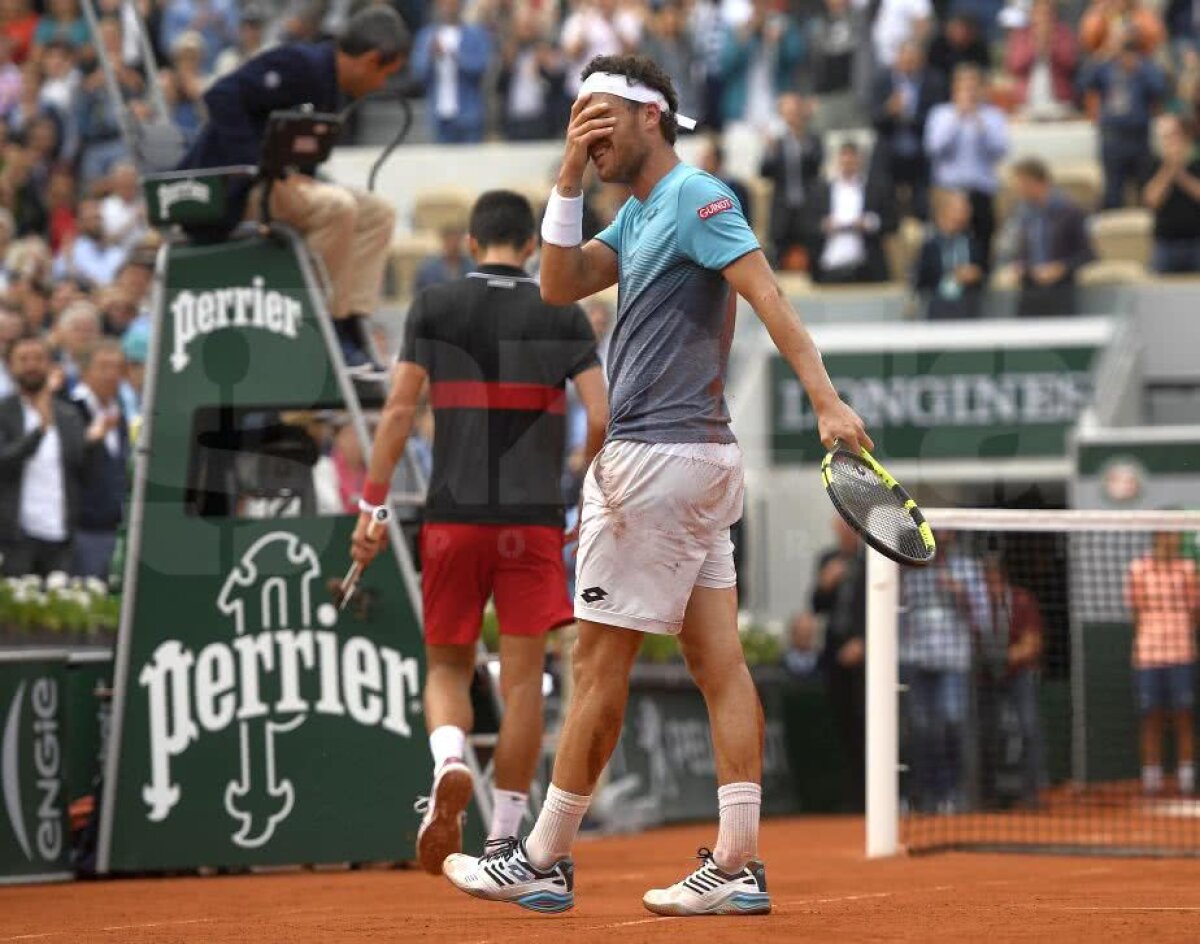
x=1123 y=235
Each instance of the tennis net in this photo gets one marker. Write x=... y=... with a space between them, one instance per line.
x=1044 y=671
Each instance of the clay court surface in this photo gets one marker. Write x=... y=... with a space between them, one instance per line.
x=823 y=890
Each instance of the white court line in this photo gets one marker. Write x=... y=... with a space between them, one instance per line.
x=829 y=901
x=116 y=927
x=1183 y=908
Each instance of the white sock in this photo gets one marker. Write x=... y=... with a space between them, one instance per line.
x=1187 y=777
x=1152 y=777
x=739 y=805
x=508 y=809
x=556 y=828
x=447 y=742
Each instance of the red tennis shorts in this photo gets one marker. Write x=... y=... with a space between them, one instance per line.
x=520 y=566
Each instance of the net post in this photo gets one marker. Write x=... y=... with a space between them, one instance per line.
x=883 y=772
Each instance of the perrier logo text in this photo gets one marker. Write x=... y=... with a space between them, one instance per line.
x=196 y=314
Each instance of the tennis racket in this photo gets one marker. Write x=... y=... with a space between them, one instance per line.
x=874 y=505
x=379 y=520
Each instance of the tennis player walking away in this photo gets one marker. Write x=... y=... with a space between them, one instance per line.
x=654 y=548
x=497 y=359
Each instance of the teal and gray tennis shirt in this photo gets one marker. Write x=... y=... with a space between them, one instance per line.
x=670 y=347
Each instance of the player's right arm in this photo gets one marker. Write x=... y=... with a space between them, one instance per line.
x=570 y=273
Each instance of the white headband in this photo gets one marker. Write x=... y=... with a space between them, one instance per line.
x=624 y=87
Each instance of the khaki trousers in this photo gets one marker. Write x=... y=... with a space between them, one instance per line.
x=349 y=230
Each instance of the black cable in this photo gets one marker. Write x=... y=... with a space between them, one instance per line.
x=405 y=127
x=402 y=95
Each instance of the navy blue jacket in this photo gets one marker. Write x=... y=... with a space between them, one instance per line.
x=240 y=103
x=105 y=479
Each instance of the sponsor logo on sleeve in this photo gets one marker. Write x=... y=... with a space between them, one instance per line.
x=717 y=206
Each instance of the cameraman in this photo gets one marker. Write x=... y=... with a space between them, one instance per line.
x=350 y=230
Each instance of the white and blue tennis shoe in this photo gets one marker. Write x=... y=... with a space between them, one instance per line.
x=710 y=891
x=504 y=873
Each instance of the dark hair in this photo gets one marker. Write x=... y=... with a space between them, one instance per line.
x=29 y=337
x=501 y=218
x=1032 y=168
x=648 y=73
x=376 y=29
x=849 y=146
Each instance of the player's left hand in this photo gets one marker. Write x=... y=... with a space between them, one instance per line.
x=838 y=423
x=363 y=547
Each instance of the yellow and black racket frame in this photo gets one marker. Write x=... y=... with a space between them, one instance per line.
x=902 y=497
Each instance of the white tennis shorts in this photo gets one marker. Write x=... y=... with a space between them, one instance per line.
x=655 y=523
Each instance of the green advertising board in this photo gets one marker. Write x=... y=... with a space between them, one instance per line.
x=959 y=392
x=88 y=710
x=666 y=748
x=254 y=723
x=35 y=839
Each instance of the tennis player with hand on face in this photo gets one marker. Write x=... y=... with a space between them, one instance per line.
x=654 y=548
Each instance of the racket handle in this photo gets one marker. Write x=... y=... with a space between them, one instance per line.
x=379 y=519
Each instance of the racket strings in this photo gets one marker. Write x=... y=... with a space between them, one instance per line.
x=875 y=507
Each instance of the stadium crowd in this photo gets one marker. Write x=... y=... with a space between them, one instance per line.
x=940 y=83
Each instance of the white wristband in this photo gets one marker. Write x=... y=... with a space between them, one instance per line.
x=563 y=223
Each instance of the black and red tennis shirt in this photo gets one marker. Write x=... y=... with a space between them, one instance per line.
x=498 y=360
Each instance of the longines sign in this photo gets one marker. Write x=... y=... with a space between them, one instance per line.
x=991 y=401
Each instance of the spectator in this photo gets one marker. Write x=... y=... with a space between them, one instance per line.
x=216 y=22
x=958 y=43
x=18 y=22
x=1183 y=27
x=1015 y=635
x=898 y=22
x=251 y=41
x=530 y=81
x=43 y=451
x=837 y=36
x=597 y=28
x=451 y=263
x=853 y=212
x=712 y=161
x=117 y=311
x=802 y=658
x=1163 y=592
x=944 y=605
x=90 y=255
x=450 y=58
x=840 y=595
x=1041 y=59
x=135 y=345
x=101 y=145
x=187 y=59
x=1052 y=243
x=792 y=162
x=62 y=24
x=1129 y=88
x=1109 y=26
x=949 y=273
x=12 y=81
x=61 y=203
x=759 y=63
x=19 y=191
x=901 y=101
x=105 y=477
x=966 y=140
x=708 y=28
x=12 y=326
x=60 y=83
x=669 y=43
x=1173 y=194
x=122 y=211
x=76 y=330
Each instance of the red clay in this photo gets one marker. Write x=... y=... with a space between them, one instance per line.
x=823 y=889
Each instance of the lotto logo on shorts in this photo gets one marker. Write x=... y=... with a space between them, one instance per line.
x=717 y=206
x=593 y=594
